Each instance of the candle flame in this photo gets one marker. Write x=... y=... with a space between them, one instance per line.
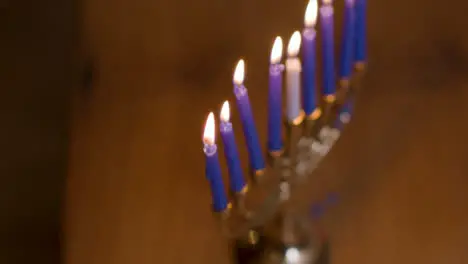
x=294 y=44
x=225 y=112
x=239 y=72
x=310 y=17
x=209 y=133
x=327 y=2
x=276 y=51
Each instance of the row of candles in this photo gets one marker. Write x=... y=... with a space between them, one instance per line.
x=301 y=101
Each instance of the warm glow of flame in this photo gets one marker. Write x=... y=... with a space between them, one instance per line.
x=327 y=2
x=294 y=44
x=310 y=17
x=209 y=133
x=276 y=51
x=225 y=112
x=239 y=72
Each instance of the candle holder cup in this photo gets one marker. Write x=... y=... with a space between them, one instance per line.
x=264 y=226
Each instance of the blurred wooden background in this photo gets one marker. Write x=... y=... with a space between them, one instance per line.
x=135 y=190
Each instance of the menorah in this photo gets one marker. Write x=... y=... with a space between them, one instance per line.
x=264 y=224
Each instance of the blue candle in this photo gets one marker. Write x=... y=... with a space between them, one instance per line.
x=347 y=42
x=231 y=154
x=212 y=167
x=294 y=111
x=275 y=141
x=257 y=163
x=360 y=48
x=309 y=99
x=326 y=19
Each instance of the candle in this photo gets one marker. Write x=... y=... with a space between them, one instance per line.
x=360 y=55
x=309 y=56
x=326 y=18
x=293 y=81
x=231 y=154
x=275 y=142
x=346 y=58
x=213 y=169
x=257 y=162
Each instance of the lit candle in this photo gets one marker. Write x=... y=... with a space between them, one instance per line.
x=360 y=48
x=236 y=175
x=309 y=58
x=257 y=162
x=326 y=18
x=275 y=142
x=213 y=169
x=346 y=65
x=294 y=112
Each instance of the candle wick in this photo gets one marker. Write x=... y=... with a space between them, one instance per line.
x=209 y=148
x=226 y=126
x=240 y=90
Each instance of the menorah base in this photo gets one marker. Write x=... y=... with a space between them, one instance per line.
x=270 y=252
x=287 y=238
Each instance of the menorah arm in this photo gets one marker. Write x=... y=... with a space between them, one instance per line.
x=320 y=185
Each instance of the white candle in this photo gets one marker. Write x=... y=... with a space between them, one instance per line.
x=293 y=80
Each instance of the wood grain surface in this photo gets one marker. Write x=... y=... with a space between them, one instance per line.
x=136 y=190
x=148 y=73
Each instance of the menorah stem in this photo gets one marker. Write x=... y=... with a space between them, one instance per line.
x=222 y=217
x=274 y=158
x=293 y=231
x=249 y=248
x=311 y=122
x=309 y=126
x=328 y=114
x=328 y=103
x=359 y=72
x=294 y=132
x=343 y=92
x=239 y=202
x=324 y=257
x=332 y=105
x=360 y=66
